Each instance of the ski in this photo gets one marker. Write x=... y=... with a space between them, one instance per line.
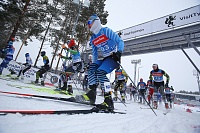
x=145 y=108
x=39 y=96
x=71 y=99
x=41 y=89
x=70 y=112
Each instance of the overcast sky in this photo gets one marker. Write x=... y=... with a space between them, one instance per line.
x=127 y=13
x=133 y=12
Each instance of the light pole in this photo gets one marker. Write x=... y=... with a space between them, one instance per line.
x=138 y=73
x=195 y=73
x=135 y=62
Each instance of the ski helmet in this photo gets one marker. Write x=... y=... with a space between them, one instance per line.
x=71 y=43
x=92 y=19
x=155 y=66
x=96 y=24
x=43 y=53
x=10 y=43
x=27 y=55
x=12 y=39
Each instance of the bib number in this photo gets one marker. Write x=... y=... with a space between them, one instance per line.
x=107 y=86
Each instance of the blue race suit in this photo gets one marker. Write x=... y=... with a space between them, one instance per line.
x=108 y=42
x=9 y=56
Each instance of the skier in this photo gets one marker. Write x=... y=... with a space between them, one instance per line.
x=133 y=91
x=64 y=77
x=27 y=65
x=142 y=89
x=9 y=55
x=111 y=46
x=44 y=69
x=75 y=56
x=85 y=80
x=121 y=78
x=157 y=75
x=168 y=96
x=150 y=88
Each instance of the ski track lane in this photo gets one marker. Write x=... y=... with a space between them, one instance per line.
x=135 y=121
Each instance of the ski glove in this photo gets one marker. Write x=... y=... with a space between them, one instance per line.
x=117 y=56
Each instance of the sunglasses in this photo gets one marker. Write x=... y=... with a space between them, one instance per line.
x=91 y=21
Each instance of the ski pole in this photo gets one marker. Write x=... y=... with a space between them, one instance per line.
x=77 y=87
x=120 y=100
x=149 y=105
x=135 y=87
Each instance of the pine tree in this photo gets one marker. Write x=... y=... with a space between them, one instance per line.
x=9 y=13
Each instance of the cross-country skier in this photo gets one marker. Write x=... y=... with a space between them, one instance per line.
x=111 y=47
x=157 y=75
x=44 y=69
x=77 y=64
x=27 y=66
x=64 y=77
x=86 y=69
x=75 y=56
x=168 y=92
x=121 y=78
x=142 y=87
x=150 y=88
x=9 y=50
x=133 y=91
x=85 y=80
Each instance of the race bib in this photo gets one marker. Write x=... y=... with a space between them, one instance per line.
x=107 y=86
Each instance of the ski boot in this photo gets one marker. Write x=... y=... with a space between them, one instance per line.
x=36 y=81
x=89 y=97
x=166 y=106
x=64 y=88
x=123 y=97
x=170 y=105
x=42 y=82
x=12 y=72
x=155 y=104
x=123 y=100
x=108 y=104
x=140 y=100
x=70 y=90
x=59 y=86
x=115 y=98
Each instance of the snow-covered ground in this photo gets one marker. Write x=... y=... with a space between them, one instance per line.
x=135 y=120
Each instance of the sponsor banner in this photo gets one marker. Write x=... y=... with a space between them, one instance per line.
x=160 y=24
x=143 y=29
x=29 y=75
x=188 y=16
x=184 y=17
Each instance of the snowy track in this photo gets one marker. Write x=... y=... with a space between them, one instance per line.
x=135 y=120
